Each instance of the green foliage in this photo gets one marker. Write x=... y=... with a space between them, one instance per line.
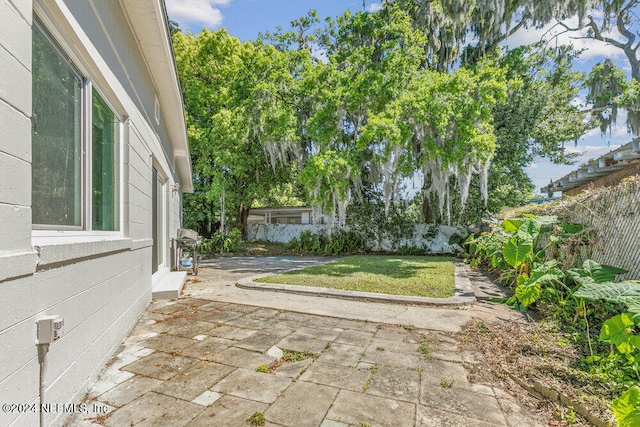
x=257 y=419
x=264 y=368
x=221 y=243
x=296 y=356
x=342 y=242
x=240 y=124
x=627 y=408
x=513 y=248
x=592 y=272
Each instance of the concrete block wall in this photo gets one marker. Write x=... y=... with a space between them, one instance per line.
x=98 y=284
x=284 y=233
x=16 y=255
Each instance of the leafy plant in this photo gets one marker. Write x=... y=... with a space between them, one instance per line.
x=627 y=408
x=257 y=419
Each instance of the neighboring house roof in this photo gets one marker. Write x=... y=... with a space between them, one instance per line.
x=611 y=162
x=148 y=19
x=283 y=209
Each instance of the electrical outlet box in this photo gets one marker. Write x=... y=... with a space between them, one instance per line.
x=50 y=328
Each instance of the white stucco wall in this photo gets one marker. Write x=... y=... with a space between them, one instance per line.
x=284 y=233
x=98 y=284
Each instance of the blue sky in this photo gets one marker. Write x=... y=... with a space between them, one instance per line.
x=245 y=19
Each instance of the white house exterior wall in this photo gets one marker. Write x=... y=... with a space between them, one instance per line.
x=98 y=284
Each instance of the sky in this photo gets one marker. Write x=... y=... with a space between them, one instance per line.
x=245 y=19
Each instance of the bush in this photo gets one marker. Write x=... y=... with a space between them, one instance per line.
x=221 y=243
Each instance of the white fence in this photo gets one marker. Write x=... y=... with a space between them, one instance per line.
x=423 y=237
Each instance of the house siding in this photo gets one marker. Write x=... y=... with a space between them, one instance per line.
x=100 y=286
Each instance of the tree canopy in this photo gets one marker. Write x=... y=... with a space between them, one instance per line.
x=356 y=108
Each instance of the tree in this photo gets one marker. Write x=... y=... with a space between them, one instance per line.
x=381 y=116
x=242 y=125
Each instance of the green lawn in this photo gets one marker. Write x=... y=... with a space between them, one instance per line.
x=396 y=275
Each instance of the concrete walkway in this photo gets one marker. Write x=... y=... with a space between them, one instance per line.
x=195 y=361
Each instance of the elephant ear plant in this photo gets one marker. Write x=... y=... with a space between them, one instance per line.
x=596 y=283
x=521 y=252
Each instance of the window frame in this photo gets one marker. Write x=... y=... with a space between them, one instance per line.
x=86 y=144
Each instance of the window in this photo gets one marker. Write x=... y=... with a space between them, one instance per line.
x=75 y=142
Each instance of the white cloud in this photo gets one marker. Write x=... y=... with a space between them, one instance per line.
x=374 y=7
x=189 y=13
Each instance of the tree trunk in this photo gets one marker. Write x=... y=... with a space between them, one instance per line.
x=244 y=219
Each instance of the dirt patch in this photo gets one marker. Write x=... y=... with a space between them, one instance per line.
x=533 y=359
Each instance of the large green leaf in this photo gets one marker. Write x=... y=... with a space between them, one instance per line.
x=527 y=294
x=601 y=273
x=617 y=331
x=511 y=225
x=633 y=305
x=516 y=252
x=528 y=229
x=609 y=291
x=627 y=408
x=571 y=228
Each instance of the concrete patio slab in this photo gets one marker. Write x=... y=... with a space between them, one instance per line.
x=231 y=332
x=384 y=388
x=250 y=322
x=194 y=381
x=206 y=348
x=129 y=390
x=337 y=376
x=432 y=417
x=293 y=369
x=228 y=411
x=355 y=337
x=302 y=405
x=385 y=357
x=241 y=358
x=168 y=343
x=302 y=341
x=395 y=383
x=355 y=408
x=462 y=402
x=191 y=329
x=153 y=409
x=207 y=398
x=342 y=354
x=160 y=365
x=515 y=413
x=253 y=385
x=264 y=340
